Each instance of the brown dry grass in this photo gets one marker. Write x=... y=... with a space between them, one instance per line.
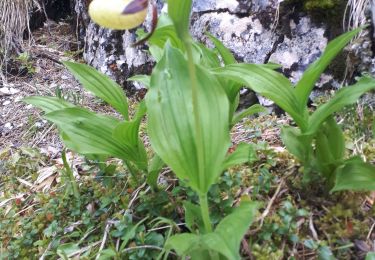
x=14 y=21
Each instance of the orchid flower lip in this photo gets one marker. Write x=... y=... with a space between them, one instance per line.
x=135 y=6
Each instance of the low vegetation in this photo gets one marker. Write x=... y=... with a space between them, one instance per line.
x=169 y=180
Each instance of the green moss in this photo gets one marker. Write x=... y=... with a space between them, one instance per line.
x=314 y=5
x=320 y=4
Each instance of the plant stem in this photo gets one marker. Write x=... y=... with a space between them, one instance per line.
x=197 y=123
x=70 y=176
x=205 y=212
x=133 y=171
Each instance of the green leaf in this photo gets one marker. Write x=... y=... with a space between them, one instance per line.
x=205 y=56
x=48 y=104
x=130 y=234
x=193 y=217
x=297 y=144
x=336 y=139
x=225 y=239
x=143 y=79
x=268 y=83
x=225 y=53
x=244 y=153
x=330 y=147
x=228 y=234
x=343 y=97
x=90 y=133
x=126 y=133
x=154 y=169
x=67 y=250
x=183 y=244
x=370 y=256
x=355 y=175
x=248 y=112
x=325 y=253
x=171 y=124
x=162 y=35
x=108 y=253
x=100 y=85
x=312 y=74
x=179 y=12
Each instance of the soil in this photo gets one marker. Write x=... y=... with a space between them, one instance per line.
x=40 y=72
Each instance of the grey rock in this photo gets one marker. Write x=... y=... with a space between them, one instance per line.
x=296 y=53
x=254 y=30
x=245 y=37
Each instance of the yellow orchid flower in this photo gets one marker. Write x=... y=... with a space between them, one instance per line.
x=118 y=14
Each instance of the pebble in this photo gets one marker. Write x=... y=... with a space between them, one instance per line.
x=18 y=99
x=8 y=91
x=8 y=126
x=7 y=102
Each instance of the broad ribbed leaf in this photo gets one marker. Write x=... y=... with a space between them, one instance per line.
x=164 y=34
x=268 y=83
x=91 y=133
x=225 y=239
x=297 y=144
x=193 y=217
x=312 y=74
x=330 y=147
x=343 y=97
x=171 y=124
x=100 y=85
x=244 y=153
x=179 y=12
x=156 y=165
x=355 y=175
x=143 y=79
x=205 y=56
x=248 y=112
x=225 y=53
x=370 y=256
x=229 y=232
x=183 y=244
x=48 y=104
x=127 y=134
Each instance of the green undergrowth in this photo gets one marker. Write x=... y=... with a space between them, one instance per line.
x=114 y=217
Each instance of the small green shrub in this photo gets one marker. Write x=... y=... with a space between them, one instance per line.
x=317 y=141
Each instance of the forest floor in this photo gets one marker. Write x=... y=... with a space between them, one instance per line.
x=115 y=216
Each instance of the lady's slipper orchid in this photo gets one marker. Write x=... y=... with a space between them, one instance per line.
x=118 y=14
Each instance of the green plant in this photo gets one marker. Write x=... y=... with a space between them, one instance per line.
x=317 y=141
x=189 y=117
x=26 y=63
x=190 y=112
x=97 y=135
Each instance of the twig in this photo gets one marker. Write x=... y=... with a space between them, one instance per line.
x=42 y=137
x=268 y=208
x=136 y=192
x=164 y=227
x=312 y=228
x=270 y=203
x=45 y=251
x=84 y=249
x=145 y=247
x=370 y=232
x=104 y=240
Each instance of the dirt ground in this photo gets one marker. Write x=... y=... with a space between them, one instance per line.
x=39 y=71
